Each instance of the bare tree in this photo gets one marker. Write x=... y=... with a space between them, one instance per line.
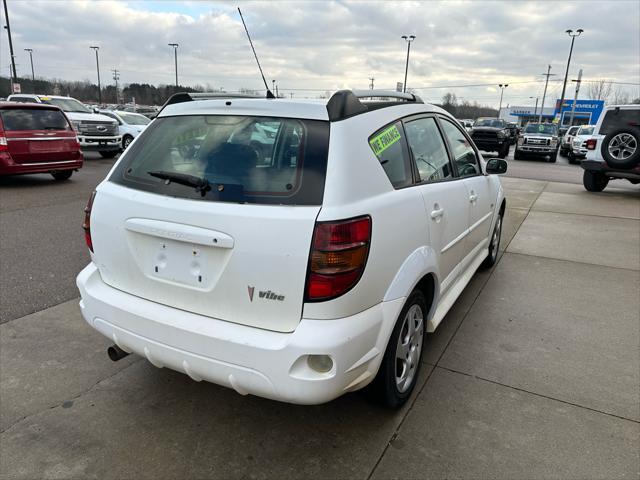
x=599 y=90
x=620 y=96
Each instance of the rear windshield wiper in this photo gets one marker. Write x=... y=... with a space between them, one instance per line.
x=201 y=185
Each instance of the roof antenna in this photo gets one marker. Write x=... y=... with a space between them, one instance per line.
x=269 y=93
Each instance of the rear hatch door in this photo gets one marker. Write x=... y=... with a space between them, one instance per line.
x=236 y=249
x=39 y=135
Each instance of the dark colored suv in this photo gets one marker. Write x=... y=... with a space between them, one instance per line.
x=37 y=139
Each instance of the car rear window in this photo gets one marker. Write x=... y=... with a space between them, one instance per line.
x=33 y=119
x=246 y=159
x=619 y=118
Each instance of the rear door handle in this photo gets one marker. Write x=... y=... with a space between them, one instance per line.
x=473 y=197
x=437 y=213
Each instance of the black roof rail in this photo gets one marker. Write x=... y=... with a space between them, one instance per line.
x=346 y=103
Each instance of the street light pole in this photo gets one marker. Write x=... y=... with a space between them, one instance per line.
x=175 y=55
x=535 y=109
x=30 y=50
x=546 y=83
x=408 y=39
x=502 y=87
x=95 y=49
x=566 y=74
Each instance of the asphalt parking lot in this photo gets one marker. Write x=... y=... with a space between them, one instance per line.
x=534 y=373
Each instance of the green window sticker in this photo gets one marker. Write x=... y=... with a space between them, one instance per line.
x=384 y=140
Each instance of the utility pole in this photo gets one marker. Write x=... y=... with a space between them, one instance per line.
x=95 y=49
x=13 y=59
x=575 y=98
x=116 y=77
x=535 y=109
x=408 y=39
x=273 y=86
x=30 y=50
x=175 y=56
x=371 y=84
x=566 y=74
x=546 y=83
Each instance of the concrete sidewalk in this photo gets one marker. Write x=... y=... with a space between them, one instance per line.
x=534 y=373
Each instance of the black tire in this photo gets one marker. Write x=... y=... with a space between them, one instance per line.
x=494 y=244
x=126 y=140
x=631 y=148
x=594 y=181
x=554 y=157
x=109 y=154
x=62 y=175
x=384 y=387
x=504 y=152
x=563 y=152
x=517 y=155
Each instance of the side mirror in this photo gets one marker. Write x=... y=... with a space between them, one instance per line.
x=496 y=166
x=95 y=110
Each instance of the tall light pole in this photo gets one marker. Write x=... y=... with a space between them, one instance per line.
x=175 y=56
x=548 y=74
x=95 y=49
x=502 y=87
x=13 y=58
x=30 y=50
x=535 y=109
x=566 y=74
x=408 y=39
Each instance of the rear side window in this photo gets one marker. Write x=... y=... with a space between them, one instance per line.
x=390 y=147
x=33 y=119
x=620 y=119
x=245 y=159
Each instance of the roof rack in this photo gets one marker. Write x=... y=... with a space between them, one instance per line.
x=346 y=103
x=188 y=97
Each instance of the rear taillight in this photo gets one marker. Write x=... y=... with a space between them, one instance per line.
x=3 y=142
x=591 y=144
x=86 y=225
x=338 y=256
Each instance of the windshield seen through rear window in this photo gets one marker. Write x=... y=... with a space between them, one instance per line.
x=230 y=158
x=541 y=128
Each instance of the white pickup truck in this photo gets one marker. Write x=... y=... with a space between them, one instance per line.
x=97 y=133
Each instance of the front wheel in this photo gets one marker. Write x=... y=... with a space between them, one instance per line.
x=517 y=155
x=504 y=152
x=553 y=157
x=492 y=256
x=398 y=373
x=127 y=139
x=594 y=181
x=108 y=154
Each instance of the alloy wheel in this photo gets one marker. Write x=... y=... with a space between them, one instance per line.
x=409 y=348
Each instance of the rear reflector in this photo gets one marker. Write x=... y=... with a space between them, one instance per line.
x=591 y=144
x=338 y=256
x=86 y=225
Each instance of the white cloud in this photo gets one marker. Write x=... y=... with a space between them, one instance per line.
x=329 y=45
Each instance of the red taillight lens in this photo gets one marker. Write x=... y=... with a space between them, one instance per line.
x=3 y=142
x=86 y=225
x=338 y=256
x=591 y=144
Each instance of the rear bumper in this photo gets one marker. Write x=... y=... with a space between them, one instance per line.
x=249 y=360
x=99 y=144
x=602 y=167
x=8 y=167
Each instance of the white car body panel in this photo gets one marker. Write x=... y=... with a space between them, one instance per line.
x=210 y=329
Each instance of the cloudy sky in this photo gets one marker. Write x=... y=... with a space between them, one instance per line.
x=310 y=47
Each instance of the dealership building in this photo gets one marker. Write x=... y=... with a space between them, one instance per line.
x=587 y=112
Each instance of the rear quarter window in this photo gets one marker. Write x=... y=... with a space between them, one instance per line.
x=33 y=119
x=390 y=148
x=246 y=159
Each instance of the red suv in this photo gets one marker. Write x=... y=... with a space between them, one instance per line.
x=37 y=138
